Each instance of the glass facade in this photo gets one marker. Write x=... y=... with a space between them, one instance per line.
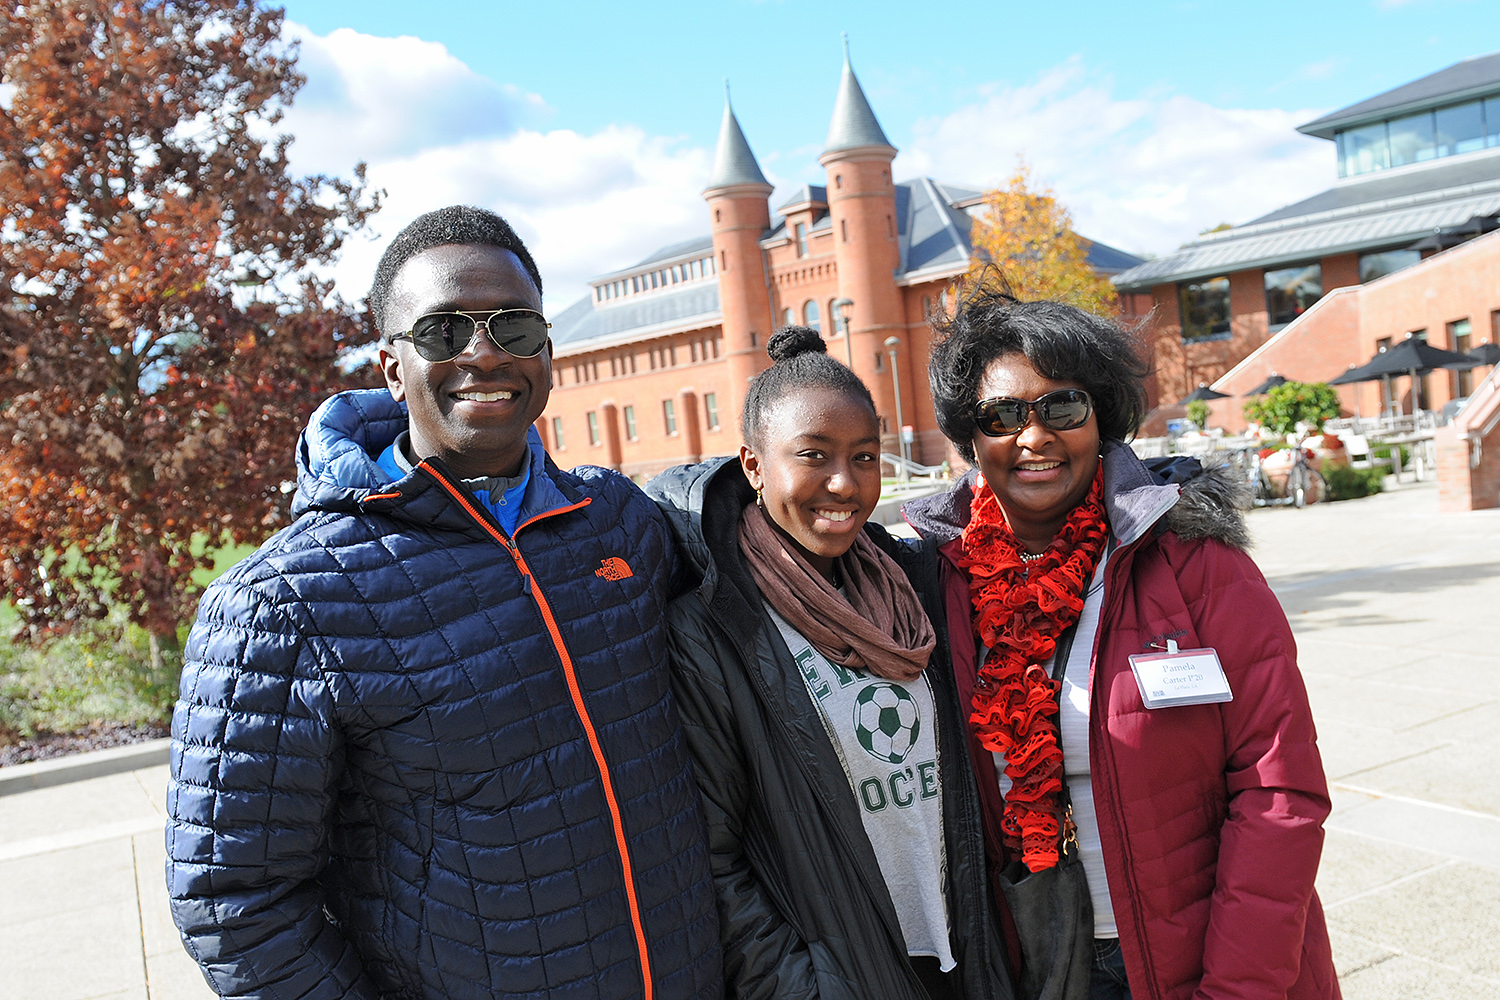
x=1204 y=307
x=1378 y=265
x=1426 y=135
x=1291 y=290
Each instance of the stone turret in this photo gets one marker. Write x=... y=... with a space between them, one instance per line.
x=862 y=204
x=739 y=208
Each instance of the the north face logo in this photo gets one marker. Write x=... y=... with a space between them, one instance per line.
x=613 y=568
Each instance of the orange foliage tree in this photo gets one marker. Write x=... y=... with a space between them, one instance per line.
x=162 y=338
x=1025 y=238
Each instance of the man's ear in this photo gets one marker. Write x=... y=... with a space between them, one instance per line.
x=390 y=367
x=750 y=465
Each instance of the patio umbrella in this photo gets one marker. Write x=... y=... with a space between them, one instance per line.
x=1486 y=354
x=1412 y=357
x=1416 y=355
x=1271 y=382
x=1202 y=393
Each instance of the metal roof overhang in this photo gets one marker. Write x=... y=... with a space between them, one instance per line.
x=1285 y=242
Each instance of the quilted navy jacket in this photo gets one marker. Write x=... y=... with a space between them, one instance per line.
x=414 y=757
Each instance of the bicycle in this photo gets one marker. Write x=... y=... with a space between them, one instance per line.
x=1303 y=484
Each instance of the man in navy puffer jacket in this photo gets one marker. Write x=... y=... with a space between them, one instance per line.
x=424 y=746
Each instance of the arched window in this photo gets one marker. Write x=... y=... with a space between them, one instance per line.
x=789 y=318
x=810 y=315
x=835 y=320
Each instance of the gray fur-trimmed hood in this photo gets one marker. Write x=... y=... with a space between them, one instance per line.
x=1174 y=494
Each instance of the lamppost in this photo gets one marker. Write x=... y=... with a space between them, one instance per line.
x=844 y=309
x=891 y=343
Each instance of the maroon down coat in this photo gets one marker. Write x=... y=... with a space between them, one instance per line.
x=1210 y=816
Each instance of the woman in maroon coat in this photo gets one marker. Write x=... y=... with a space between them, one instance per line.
x=1179 y=721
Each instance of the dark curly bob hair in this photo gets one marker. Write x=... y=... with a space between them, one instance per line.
x=1062 y=342
x=799 y=360
x=456 y=225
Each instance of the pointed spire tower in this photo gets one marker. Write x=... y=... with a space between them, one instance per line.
x=738 y=200
x=862 y=204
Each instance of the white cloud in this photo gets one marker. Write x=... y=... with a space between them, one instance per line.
x=1145 y=174
x=584 y=204
x=371 y=98
x=435 y=133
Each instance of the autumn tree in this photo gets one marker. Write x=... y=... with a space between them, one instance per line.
x=162 y=336
x=1025 y=238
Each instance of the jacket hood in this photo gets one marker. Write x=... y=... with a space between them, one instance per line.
x=1177 y=493
x=337 y=469
x=702 y=501
x=336 y=453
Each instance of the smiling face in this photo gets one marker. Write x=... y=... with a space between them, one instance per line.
x=472 y=412
x=817 y=466
x=1039 y=475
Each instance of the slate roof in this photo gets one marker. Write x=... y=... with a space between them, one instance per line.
x=635 y=317
x=816 y=194
x=734 y=163
x=854 y=125
x=1462 y=81
x=933 y=236
x=1350 y=223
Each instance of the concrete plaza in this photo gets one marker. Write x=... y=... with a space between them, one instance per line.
x=1397 y=613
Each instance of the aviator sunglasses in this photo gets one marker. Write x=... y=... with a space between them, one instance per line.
x=1062 y=410
x=443 y=336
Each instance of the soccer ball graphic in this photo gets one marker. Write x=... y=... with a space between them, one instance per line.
x=886 y=722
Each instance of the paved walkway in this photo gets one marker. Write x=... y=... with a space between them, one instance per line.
x=1397 y=613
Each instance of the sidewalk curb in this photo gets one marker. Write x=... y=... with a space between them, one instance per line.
x=82 y=766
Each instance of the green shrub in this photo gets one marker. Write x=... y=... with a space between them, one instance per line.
x=1348 y=483
x=1282 y=408
x=1197 y=412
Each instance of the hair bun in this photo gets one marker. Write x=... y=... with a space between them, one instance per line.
x=790 y=341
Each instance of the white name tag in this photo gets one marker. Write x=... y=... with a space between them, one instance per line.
x=1180 y=677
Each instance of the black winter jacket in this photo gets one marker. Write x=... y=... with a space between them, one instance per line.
x=803 y=908
x=416 y=758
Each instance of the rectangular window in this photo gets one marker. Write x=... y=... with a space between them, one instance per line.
x=1291 y=290
x=801 y=239
x=1460 y=129
x=1363 y=149
x=1459 y=340
x=1413 y=139
x=844 y=229
x=593 y=429
x=557 y=435
x=1205 y=309
x=630 y=433
x=1378 y=265
x=879 y=361
x=711 y=410
x=1492 y=121
x=669 y=416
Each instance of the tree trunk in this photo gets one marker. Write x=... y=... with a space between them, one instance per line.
x=166 y=654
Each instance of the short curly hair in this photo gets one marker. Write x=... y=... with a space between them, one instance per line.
x=456 y=225
x=799 y=360
x=1062 y=342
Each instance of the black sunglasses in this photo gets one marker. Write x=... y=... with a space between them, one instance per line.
x=443 y=336
x=1062 y=410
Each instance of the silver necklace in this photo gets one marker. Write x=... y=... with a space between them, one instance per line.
x=1031 y=557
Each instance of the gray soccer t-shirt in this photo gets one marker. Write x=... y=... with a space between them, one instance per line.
x=885 y=733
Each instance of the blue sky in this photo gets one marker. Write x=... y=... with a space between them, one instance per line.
x=592 y=125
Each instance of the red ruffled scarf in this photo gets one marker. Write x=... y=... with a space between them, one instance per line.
x=1020 y=610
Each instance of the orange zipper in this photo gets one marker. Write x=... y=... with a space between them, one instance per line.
x=578 y=706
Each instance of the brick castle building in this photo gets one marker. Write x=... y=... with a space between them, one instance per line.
x=651 y=367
